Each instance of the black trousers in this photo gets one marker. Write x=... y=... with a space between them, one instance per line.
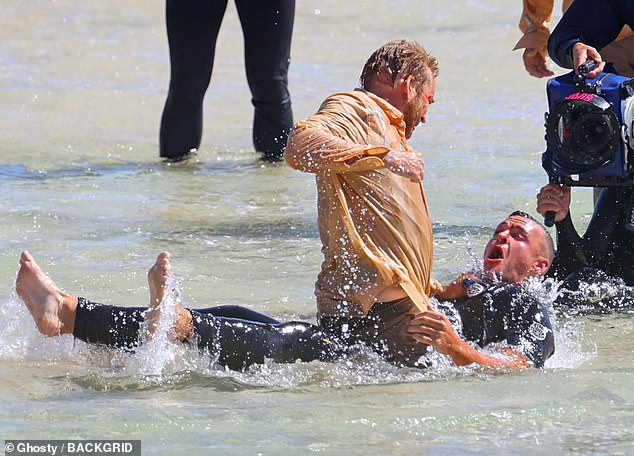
x=236 y=336
x=192 y=30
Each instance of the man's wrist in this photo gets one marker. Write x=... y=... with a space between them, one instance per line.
x=463 y=354
x=435 y=287
x=569 y=47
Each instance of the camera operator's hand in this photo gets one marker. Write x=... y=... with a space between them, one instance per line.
x=582 y=52
x=408 y=164
x=555 y=198
x=535 y=63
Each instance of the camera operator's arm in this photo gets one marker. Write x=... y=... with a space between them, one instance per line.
x=554 y=198
x=590 y=23
x=570 y=255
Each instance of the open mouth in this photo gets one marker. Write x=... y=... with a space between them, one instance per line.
x=496 y=256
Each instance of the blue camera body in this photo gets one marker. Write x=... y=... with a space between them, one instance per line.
x=587 y=133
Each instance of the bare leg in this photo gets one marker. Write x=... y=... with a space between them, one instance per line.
x=52 y=309
x=157 y=278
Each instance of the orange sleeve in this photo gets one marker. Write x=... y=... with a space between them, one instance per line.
x=325 y=141
x=535 y=23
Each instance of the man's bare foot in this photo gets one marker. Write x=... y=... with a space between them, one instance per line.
x=157 y=278
x=52 y=309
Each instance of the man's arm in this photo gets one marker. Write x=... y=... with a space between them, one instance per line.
x=570 y=255
x=434 y=329
x=590 y=23
x=467 y=284
x=535 y=22
x=322 y=144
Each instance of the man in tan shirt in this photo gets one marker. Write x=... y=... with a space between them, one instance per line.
x=373 y=220
x=535 y=23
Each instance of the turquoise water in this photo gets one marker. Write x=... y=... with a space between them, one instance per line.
x=82 y=88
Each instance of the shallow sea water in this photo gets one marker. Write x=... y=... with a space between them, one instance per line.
x=82 y=89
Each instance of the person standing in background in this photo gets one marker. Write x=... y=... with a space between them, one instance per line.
x=192 y=30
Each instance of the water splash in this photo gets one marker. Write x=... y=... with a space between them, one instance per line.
x=20 y=339
x=570 y=346
x=160 y=353
x=476 y=258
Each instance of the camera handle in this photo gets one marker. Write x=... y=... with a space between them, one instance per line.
x=549 y=217
x=580 y=78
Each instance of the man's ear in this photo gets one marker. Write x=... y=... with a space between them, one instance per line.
x=540 y=266
x=408 y=87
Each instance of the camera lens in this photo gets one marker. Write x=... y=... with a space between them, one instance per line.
x=584 y=134
x=592 y=134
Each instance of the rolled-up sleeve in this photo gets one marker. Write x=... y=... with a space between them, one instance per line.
x=535 y=23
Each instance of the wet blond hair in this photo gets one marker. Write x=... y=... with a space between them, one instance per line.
x=399 y=59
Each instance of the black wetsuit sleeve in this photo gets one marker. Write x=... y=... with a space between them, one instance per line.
x=592 y=22
x=570 y=254
x=592 y=290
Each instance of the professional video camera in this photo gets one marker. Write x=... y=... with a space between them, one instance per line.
x=589 y=131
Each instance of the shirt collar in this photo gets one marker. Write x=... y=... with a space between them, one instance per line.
x=394 y=115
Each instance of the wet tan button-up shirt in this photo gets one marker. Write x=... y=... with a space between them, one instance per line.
x=374 y=224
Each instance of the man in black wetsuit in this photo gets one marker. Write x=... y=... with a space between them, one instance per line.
x=236 y=336
x=585 y=28
x=495 y=308
x=192 y=29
